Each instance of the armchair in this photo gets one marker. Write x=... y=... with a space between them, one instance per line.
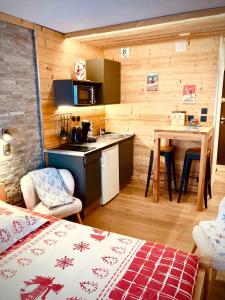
x=209 y=237
x=33 y=202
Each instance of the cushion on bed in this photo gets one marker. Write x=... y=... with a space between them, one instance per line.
x=15 y=224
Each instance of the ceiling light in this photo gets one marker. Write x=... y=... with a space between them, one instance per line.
x=184 y=34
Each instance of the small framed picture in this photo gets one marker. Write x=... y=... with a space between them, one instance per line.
x=153 y=81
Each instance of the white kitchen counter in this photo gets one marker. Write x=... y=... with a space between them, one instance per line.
x=102 y=143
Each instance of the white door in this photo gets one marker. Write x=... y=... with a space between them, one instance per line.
x=109 y=174
x=217 y=110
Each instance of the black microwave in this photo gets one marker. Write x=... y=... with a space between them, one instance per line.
x=83 y=95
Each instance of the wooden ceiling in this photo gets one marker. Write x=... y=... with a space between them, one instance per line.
x=182 y=26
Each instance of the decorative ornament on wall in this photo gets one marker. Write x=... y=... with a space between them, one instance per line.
x=80 y=69
x=153 y=81
x=124 y=52
x=189 y=93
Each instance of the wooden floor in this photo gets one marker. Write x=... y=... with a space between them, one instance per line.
x=166 y=222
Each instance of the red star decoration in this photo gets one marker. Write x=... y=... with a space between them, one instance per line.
x=81 y=246
x=64 y=262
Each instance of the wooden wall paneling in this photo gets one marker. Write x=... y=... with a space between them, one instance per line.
x=56 y=59
x=141 y=111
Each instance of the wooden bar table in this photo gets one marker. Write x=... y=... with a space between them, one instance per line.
x=204 y=135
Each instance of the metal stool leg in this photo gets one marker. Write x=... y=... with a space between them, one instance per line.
x=183 y=178
x=168 y=172
x=174 y=172
x=188 y=170
x=149 y=172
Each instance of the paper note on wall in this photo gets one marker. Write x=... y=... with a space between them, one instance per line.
x=189 y=93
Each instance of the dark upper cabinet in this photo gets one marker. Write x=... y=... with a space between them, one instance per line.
x=108 y=72
x=65 y=93
x=102 y=74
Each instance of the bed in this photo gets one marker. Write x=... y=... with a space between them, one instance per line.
x=59 y=259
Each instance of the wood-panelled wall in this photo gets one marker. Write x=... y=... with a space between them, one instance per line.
x=141 y=111
x=56 y=59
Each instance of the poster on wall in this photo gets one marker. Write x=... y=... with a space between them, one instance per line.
x=153 y=81
x=124 y=52
x=189 y=93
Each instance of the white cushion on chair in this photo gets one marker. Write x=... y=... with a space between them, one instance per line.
x=60 y=211
x=29 y=194
x=68 y=179
x=33 y=202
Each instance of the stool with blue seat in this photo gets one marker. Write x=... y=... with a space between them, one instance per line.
x=168 y=153
x=190 y=155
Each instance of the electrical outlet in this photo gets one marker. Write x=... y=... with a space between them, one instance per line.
x=75 y=118
x=203 y=119
x=190 y=117
x=204 y=111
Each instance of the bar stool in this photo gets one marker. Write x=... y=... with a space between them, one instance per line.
x=190 y=155
x=168 y=153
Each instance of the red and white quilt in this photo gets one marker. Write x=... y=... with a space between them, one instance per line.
x=69 y=261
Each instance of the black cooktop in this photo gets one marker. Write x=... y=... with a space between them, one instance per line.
x=74 y=147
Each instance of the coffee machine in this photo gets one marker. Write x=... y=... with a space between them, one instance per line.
x=85 y=127
x=81 y=134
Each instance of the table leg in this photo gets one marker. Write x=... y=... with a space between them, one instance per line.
x=202 y=169
x=156 y=169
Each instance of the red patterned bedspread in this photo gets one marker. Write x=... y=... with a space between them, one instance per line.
x=158 y=272
x=68 y=261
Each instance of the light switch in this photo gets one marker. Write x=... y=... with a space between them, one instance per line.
x=204 y=111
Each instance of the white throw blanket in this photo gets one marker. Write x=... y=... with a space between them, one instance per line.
x=50 y=187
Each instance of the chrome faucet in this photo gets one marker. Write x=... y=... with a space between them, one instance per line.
x=102 y=131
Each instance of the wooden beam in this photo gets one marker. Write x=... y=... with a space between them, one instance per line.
x=16 y=21
x=209 y=26
x=148 y=22
x=27 y=24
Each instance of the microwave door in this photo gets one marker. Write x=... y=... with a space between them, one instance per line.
x=82 y=95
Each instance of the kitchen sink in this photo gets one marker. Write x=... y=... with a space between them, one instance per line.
x=113 y=135
x=74 y=147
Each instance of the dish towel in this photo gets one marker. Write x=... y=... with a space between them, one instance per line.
x=50 y=187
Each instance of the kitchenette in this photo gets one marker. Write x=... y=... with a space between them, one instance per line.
x=99 y=168
x=100 y=161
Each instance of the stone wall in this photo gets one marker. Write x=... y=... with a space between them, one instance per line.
x=19 y=107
